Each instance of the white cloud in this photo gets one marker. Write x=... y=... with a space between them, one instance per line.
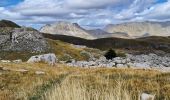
x=159 y=11
x=134 y=9
x=85 y=12
x=89 y=4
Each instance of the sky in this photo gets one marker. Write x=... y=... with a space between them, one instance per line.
x=87 y=13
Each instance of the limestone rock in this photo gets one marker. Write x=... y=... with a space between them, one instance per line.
x=39 y=73
x=46 y=58
x=22 y=70
x=17 y=61
x=120 y=66
x=23 y=39
x=145 y=96
x=5 y=61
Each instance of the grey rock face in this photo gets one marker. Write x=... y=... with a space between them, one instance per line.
x=23 y=39
x=50 y=58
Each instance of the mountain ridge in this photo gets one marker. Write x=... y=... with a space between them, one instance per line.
x=66 y=28
x=7 y=23
x=140 y=29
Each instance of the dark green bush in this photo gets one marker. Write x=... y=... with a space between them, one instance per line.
x=110 y=54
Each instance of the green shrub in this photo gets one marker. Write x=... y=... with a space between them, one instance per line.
x=66 y=57
x=110 y=54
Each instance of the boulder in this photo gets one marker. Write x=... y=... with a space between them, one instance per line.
x=142 y=65
x=17 y=61
x=39 y=73
x=145 y=96
x=5 y=61
x=112 y=64
x=21 y=70
x=120 y=65
x=46 y=58
x=118 y=60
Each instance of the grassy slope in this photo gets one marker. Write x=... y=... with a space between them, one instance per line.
x=57 y=47
x=112 y=84
x=80 y=83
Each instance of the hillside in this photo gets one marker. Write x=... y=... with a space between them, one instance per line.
x=64 y=51
x=7 y=23
x=140 y=29
x=148 y=44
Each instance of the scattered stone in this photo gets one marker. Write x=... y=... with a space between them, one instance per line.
x=39 y=73
x=5 y=69
x=145 y=96
x=134 y=61
x=22 y=70
x=17 y=61
x=5 y=61
x=121 y=66
x=79 y=46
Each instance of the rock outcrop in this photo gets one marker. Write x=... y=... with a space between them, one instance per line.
x=22 y=39
x=50 y=58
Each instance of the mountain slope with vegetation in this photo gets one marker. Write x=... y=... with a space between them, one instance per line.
x=148 y=44
x=7 y=23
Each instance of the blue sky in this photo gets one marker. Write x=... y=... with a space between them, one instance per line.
x=87 y=13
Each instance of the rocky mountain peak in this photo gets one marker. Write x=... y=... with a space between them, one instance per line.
x=66 y=28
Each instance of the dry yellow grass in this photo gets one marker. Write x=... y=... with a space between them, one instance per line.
x=68 y=83
x=111 y=84
x=17 y=85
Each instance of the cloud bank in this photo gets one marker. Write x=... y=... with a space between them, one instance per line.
x=94 y=13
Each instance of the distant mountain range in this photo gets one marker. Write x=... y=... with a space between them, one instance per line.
x=126 y=30
x=16 y=38
x=73 y=29
x=141 y=29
